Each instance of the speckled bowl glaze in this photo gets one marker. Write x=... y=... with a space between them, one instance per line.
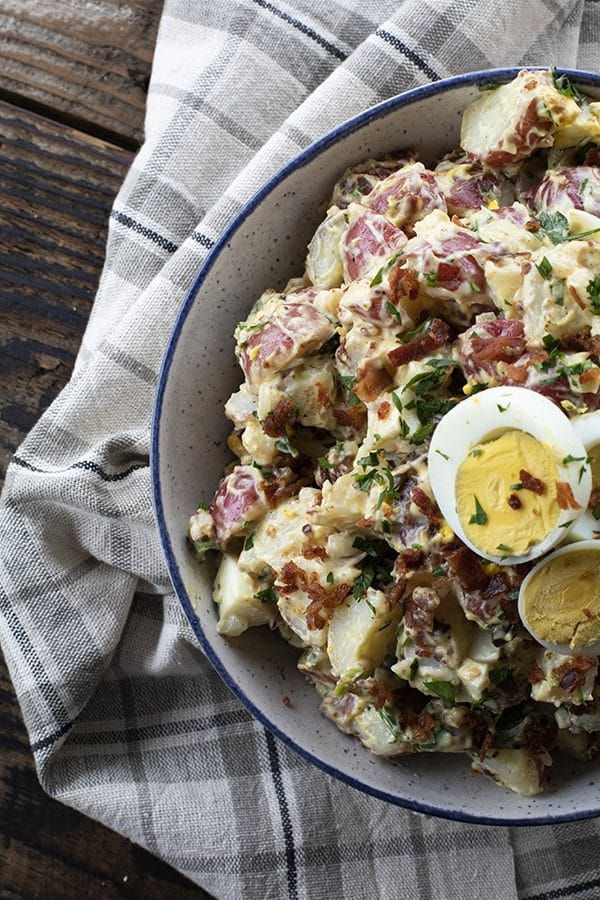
x=263 y=247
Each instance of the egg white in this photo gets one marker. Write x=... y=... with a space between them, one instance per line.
x=587 y=428
x=487 y=415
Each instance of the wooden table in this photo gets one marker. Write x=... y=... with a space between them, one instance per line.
x=73 y=80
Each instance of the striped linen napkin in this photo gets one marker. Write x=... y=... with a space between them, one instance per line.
x=128 y=722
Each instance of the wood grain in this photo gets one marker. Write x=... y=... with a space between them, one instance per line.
x=56 y=189
x=86 y=62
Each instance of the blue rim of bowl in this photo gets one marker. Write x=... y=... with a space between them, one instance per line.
x=582 y=78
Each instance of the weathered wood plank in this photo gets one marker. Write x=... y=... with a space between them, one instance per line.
x=56 y=190
x=89 y=63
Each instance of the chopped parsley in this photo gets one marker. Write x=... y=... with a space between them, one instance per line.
x=476 y=452
x=365 y=546
x=284 y=446
x=393 y=311
x=569 y=459
x=504 y=548
x=593 y=290
x=544 y=268
x=329 y=578
x=564 y=85
x=363 y=582
x=438 y=572
x=249 y=542
x=488 y=86
x=414 y=668
x=348 y=382
x=502 y=408
x=324 y=463
x=479 y=517
x=442 y=689
x=444 y=455
x=269 y=595
x=431 y=279
x=203 y=546
x=555 y=225
x=377 y=278
x=391 y=723
x=517 y=486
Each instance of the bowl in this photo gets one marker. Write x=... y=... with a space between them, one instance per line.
x=263 y=247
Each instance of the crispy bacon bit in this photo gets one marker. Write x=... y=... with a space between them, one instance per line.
x=497 y=584
x=516 y=373
x=286 y=701
x=412 y=559
x=384 y=409
x=571 y=675
x=531 y=483
x=467 y=569
x=310 y=552
x=595 y=498
x=564 y=496
x=380 y=694
x=536 y=675
x=514 y=502
x=581 y=340
x=351 y=415
x=275 y=491
x=421 y=726
x=372 y=382
x=282 y=415
x=324 y=600
x=435 y=337
x=425 y=504
x=403 y=283
x=532 y=225
x=504 y=341
x=395 y=592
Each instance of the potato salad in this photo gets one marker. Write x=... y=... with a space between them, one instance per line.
x=415 y=435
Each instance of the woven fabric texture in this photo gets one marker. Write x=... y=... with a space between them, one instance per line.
x=128 y=722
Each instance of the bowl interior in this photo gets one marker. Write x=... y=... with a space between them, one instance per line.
x=263 y=248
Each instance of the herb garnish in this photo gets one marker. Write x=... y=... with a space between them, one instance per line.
x=544 y=268
x=443 y=689
x=479 y=517
x=363 y=582
x=284 y=446
x=564 y=85
x=269 y=595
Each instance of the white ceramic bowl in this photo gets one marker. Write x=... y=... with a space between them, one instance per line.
x=263 y=247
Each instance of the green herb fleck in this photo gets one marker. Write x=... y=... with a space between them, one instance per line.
x=329 y=578
x=569 y=459
x=488 y=86
x=249 y=542
x=438 y=572
x=363 y=582
x=596 y=512
x=479 y=517
x=442 y=689
x=593 y=289
x=476 y=452
x=445 y=455
x=284 y=446
x=414 y=668
x=564 y=85
x=474 y=287
x=566 y=524
x=324 y=463
x=269 y=595
x=377 y=278
x=555 y=225
x=504 y=548
x=502 y=408
x=431 y=279
x=365 y=546
x=393 y=311
x=544 y=268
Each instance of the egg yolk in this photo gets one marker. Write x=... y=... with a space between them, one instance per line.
x=500 y=513
x=561 y=603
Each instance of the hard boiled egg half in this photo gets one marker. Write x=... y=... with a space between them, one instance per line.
x=559 y=600
x=509 y=474
x=587 y=429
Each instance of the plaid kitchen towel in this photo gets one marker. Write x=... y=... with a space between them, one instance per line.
x=127 y=720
